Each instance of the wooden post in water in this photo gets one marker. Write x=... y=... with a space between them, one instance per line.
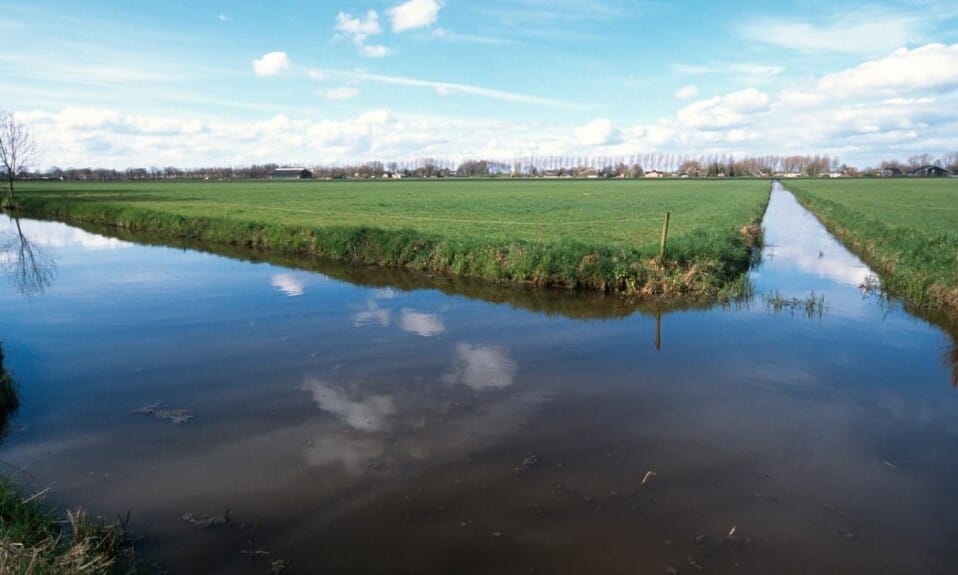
x=658 y=330
x=665 y=235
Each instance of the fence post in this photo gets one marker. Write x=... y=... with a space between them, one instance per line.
x=665 y=235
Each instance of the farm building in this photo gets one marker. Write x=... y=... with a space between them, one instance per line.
x=929 y=172
x=290 y=174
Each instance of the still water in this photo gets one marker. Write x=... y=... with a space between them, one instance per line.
x=233 y=407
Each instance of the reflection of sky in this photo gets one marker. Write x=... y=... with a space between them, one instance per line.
x=797 y=242
x=57 y=235
x=372 y=314
x=288 y=283
x=369 y=413
x=424 y=324
x=482 y=367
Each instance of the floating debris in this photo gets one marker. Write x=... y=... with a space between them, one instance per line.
x=157 y=410
x=847 y=535
x=649 y=475
x=889 y=464
x=528 y=462
x=205 y=521
x=278 y=567
x=255 y=553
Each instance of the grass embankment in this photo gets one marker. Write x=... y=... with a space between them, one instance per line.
x=571 y=234
x=905 y=229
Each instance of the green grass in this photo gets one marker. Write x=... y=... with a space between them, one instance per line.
x=600 y=235
x=33 y=539
x=905 y=229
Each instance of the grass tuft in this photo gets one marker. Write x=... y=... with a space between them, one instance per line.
x=33 y=541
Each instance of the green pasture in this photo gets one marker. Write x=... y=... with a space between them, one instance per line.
x=614 y=213
x=580 y=233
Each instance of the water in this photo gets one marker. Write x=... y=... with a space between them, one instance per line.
x=374 y=429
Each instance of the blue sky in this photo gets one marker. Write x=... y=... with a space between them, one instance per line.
x=121 y=84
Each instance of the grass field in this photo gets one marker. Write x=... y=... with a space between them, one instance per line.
x=905 y=229
x=578 y=234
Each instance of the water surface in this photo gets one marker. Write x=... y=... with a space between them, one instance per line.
x=351 y=429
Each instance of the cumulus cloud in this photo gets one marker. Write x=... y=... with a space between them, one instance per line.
x=362 y=26
x=730 y=111
x=929 y=67
x=359 y=29
x=686 y=92
x=414 y=14
x=598 y=132
x=271 y=64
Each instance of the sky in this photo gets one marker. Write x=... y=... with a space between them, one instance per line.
x=120 y=84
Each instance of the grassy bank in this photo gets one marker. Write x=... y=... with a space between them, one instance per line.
x=594 y=235
x=905 y=229
x=34 y=540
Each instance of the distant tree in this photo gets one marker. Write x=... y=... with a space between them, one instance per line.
x=919 y=160
x=17 y=148
x=950 y=162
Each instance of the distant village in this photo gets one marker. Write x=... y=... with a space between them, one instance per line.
x=649 y=166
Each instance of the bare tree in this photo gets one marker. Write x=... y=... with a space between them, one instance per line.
x=17 y=149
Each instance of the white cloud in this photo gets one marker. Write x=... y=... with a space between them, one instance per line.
x=424 y=324
x=598 y=132
x=415 y=14
x=271 y=64
x=745 y=68
x=359 y=29
x=339 y=94
x=862 y=32
x=800 y=98
x=929 y=67
x=482 y=367
x=224 y=18
x=449 y=88
x=358 y=26
x=730 y=111
x=375 y=51
x=686 y=92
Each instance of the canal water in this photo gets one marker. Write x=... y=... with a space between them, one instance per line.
x=246 y=413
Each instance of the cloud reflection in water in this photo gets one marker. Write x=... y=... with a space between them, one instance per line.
x=424 y=324
x=482 y=367
x=288 y=284
x=368 y=414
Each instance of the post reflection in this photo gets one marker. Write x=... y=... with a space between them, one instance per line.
x=29 y=265
x=951 y=360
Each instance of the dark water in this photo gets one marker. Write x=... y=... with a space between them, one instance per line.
x=354 y=429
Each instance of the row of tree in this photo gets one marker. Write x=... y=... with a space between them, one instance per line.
x=550 y=166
